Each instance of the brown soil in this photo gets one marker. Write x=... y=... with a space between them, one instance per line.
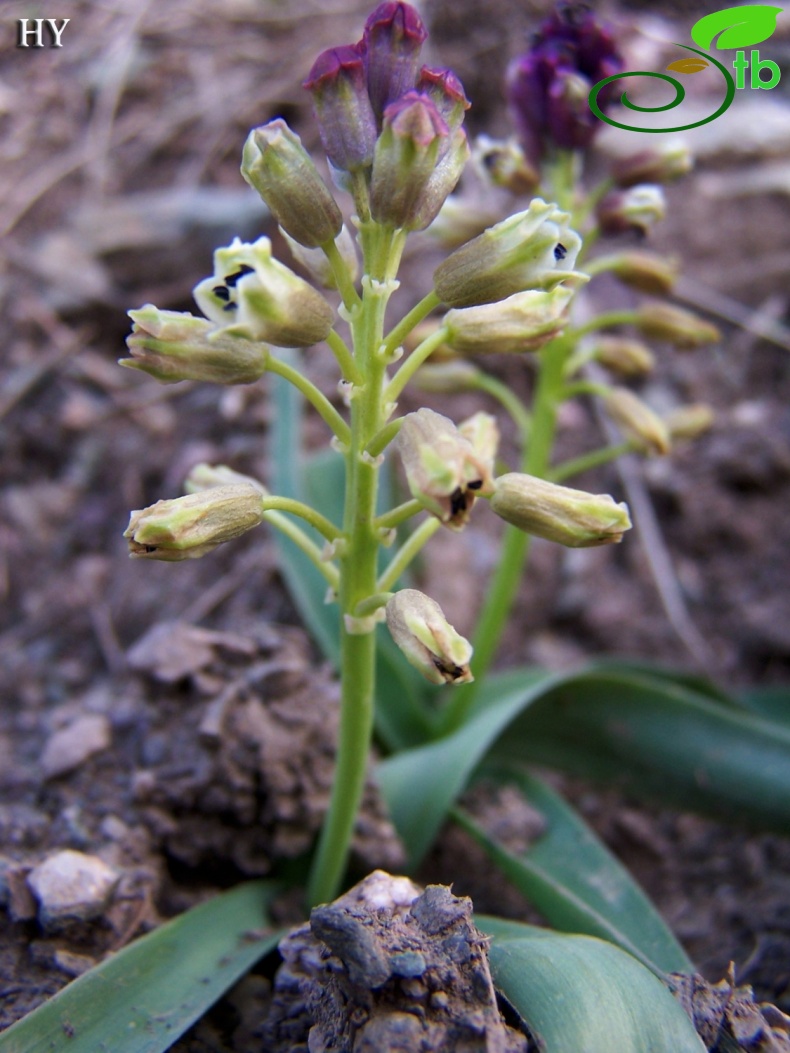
x=148 y=708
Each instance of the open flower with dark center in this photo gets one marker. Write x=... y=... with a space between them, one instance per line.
x=533 y=249
x=254 y=296
x=549 y=85
x=447 y=470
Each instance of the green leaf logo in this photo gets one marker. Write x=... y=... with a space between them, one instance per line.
x=736 y=27
x=688 y=65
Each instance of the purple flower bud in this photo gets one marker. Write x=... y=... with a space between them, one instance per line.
x=548 y=86
x=342 y=107
x=442 y=181
x=392 y=39
x=447 y=93
x=407 y=154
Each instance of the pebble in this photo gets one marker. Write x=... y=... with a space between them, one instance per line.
x=71 y=886
x=67 y=748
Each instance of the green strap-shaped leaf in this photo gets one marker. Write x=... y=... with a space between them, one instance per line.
x=736 y=27
x=771 y=702
x=579 y=994
x=575 y=881
x=144 y=997
x=663 y=741
x=421 y=784
x=647 y=733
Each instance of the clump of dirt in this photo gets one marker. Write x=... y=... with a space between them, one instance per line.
x=210 y=764
x=387 y=968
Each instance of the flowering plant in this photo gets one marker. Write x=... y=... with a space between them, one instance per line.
x=393 y=133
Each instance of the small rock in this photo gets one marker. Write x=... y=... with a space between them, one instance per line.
x=72 y=963
x=17 y=897
x=71 y=886
x=69 y=747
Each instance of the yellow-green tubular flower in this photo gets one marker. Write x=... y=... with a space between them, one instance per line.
x=522 y=322
x=534 y=249
x=445 y=472
x=482 y=432
x=503 y=163
x=275 y=163
x=189 y=527
x=646 y=271
x=558 y=513
x=207 y=476
x=449 y=377
x=637 y=208
x=255 y=296
x=684 y=329
x=659 y=164
x=688 y=422
x=173 y=346
x=420 y=629
x=622 y=355
x=637 y=421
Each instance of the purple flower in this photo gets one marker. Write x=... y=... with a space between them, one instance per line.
x=548 y=86
x=392 y=39
x=407 y=154
x=447 y=93
x=342 y=107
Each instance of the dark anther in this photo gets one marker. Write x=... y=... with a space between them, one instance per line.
x=560 y=252
x=448 y=668
x=475 y=484
x=150 y=548
x=222 y=292
x=457 y=501
x=231 y=279
x=230 y=307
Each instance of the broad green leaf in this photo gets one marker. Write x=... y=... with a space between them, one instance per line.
x=421 y=784
x=578 y=994
x=319 y=481
x=575 y=881
x=144 y=997
x=701 y=685
x=661 y=740
x=647 y=734
x=770 y=702
x=736 y=27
